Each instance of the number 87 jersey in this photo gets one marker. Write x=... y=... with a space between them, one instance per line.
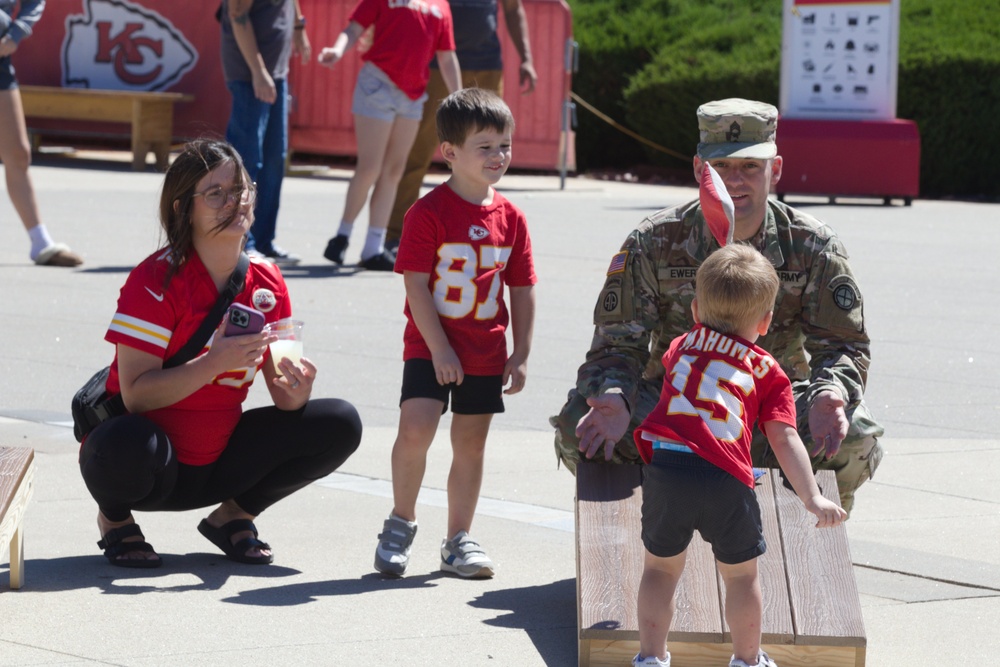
x=716 y=388
x=469 y=253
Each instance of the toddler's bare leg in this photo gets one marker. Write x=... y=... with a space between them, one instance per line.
x=656 y=602
x=744 y=608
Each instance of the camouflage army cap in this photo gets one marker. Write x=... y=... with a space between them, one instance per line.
x=737 y=128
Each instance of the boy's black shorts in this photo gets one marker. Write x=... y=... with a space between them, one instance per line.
x=682 y=493
x=477 y=395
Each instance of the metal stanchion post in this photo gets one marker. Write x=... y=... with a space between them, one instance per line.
x=571 y=63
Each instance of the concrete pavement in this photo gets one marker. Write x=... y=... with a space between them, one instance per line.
x=924 y=534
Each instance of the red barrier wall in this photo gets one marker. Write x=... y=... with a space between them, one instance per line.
x=864 y=158
x=120 y=45
x=322 y=122
x=174 y=45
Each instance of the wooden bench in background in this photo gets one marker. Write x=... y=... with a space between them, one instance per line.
x=17 y=474
x=150 y=114
x=812 y=614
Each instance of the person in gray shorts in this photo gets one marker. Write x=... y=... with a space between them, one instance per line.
x=388 y=104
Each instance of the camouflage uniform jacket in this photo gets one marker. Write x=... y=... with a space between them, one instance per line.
x=817 y=334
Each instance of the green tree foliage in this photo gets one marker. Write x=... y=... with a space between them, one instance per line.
x=650 y=63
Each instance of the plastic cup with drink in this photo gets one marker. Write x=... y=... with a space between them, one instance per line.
x=289 y=343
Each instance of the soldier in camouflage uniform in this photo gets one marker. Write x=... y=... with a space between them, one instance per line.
x=817 y=334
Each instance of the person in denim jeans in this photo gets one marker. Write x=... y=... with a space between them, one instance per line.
x=258 y=40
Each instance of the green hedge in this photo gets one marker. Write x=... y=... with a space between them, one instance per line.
x=650 y=63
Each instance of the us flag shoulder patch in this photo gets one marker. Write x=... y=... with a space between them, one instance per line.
x=618 y=263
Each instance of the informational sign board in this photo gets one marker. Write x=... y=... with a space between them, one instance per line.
x=839 y=59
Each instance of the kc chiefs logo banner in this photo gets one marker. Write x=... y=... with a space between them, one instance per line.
x=121 y=46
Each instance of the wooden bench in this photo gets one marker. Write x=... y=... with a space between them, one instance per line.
x=812 y=614
x=17 y=474
x=150 y=114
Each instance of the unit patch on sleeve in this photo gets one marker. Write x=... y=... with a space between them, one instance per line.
x=845 y=293
x=841 y=306
x=614 y=305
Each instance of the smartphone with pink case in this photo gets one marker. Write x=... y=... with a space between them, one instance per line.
x=242 y=320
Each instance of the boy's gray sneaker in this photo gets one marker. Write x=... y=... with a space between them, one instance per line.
x=650 y=661
x=392 y=554
x=763 y=660
x=463 y=556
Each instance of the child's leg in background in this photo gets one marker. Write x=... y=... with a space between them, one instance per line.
x=468 y=444
x=400 y=140
x=372 y=138
x=15 y=150
x=656 y=602
x=418 y=422
x=744 y=608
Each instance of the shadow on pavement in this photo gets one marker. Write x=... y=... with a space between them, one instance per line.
x=106 y=269
x=547 y=613
x=287 y=596
x=327 y=270
x=94 y=571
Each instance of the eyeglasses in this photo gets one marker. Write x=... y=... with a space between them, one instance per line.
x=216 y=196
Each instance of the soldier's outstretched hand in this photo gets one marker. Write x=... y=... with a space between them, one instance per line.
x=603 y=425
x=828 y=424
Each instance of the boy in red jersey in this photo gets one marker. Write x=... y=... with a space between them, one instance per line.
x=461 y=244
x=696 y=446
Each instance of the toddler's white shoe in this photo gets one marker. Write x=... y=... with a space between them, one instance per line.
x=763 y=660
x=650 y=661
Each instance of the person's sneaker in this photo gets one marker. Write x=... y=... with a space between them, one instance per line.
x=650 y=661
x=392 y=245
x=763 y=660
x=280 y=256
x=392 y=554
x=382 y=262
x=463 y=556
x=335 y=249
x=58 y=254
x=253 y=253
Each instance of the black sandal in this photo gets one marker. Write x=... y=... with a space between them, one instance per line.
x=222 y=537
x=114 y=547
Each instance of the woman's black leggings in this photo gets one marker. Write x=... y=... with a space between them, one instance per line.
x=128 y=462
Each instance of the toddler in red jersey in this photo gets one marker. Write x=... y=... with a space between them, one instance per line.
x=696 y=447
x=461 y=244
